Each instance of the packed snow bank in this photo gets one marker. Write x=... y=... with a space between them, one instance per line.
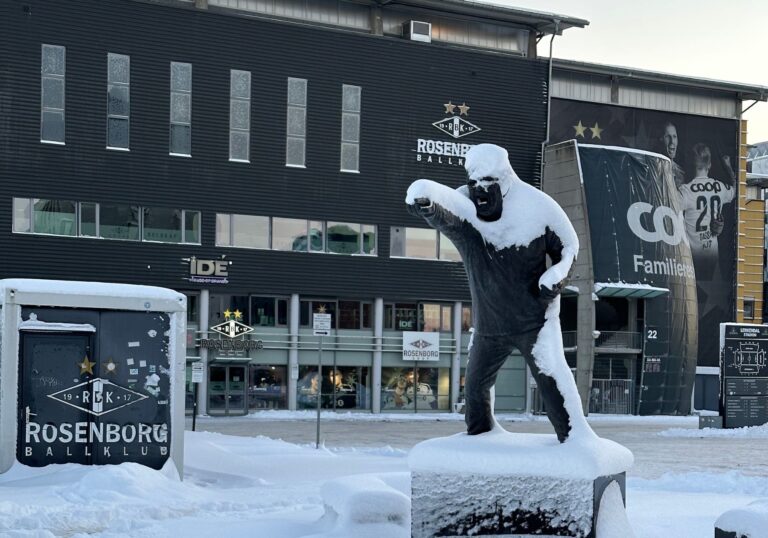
x=500 y=452
x=750 y=432
x=368 y=505
x=750 y=521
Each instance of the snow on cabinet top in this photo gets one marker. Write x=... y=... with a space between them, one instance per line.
x=500 y=452
x=527 y=211
x=102 y=289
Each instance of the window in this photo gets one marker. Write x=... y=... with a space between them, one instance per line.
x=108 y=221
x=316 y=306
x=350 y=128
x=753 y=193
x=250 y=231
x=52 y=70
x=42 y=216
x=239 y=115
x=435 y=317
x=118 y=100
x=349 y=238
x=181 y=109
x=269 y=312
x=119 y=221
x=289 y=234
x=405 y=316
x=296 y=123
x=749 y=308
x=466 y=318
x=165 y=225
x=422 y=243
x=89 y=219
x=297 y=235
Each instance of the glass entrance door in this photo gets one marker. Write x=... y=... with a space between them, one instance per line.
x=226 y=390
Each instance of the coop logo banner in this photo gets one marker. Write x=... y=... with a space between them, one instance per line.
x=444 y=151
x=421 y=346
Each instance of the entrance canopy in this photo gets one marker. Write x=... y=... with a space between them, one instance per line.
x=628 y=290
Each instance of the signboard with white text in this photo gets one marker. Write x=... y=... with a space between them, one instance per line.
x=421 y=346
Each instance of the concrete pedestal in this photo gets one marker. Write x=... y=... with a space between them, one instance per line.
x=447 y=504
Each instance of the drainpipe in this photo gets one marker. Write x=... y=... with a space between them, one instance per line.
x=556 y=22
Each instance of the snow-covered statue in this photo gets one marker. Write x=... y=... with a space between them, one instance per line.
x=504 y=230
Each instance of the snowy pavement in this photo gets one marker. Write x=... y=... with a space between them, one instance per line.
x=240 y=484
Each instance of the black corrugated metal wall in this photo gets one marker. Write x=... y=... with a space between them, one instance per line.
x=404 y=85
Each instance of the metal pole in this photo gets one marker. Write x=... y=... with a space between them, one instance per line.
x=415 y=390
x=194 y=408
x=334 y=376
x=319 y=389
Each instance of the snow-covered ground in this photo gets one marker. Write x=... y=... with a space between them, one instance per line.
x=240 y=485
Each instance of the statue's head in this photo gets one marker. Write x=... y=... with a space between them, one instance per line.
x=489 y=178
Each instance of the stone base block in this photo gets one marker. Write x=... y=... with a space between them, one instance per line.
x=448 y=504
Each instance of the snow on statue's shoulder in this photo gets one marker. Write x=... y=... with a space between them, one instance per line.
x=500 y=452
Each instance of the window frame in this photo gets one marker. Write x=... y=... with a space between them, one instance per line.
x=350 y=113
x=43 y=108
x=296 y=106
x=110 y=116
x=171 y=122
x=238 y=130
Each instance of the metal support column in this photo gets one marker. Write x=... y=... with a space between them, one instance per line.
x=378 y=332
x=293 y=351
x=456 y=357
x=203 y=321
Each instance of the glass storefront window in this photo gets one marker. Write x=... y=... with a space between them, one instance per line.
x=389 y=316
x=352 y=387
x=415 y=389
x=189 y=389
x=343 y=238
x=282 y=312
x=267 y=387
x=119 y=222
x=405 y=317
x=162 y=224
x=429 y=315
x=349 y=314
x=367 y=316
x=289 y=234
x=263 y=311
x=54 y=217
x=466 y=318
x=446 y=318
x=316 y=306
x=250 y=231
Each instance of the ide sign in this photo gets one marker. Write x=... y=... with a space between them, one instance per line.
x=421 y=346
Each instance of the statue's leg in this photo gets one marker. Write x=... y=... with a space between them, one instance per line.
x=553 y=399
x=485 y=359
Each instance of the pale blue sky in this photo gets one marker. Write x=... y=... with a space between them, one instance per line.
x=719 y=39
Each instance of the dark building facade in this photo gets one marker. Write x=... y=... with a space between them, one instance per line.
x=259 y=164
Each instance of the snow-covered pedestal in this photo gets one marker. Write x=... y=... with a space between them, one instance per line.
x=750 y=521
x=500 y=483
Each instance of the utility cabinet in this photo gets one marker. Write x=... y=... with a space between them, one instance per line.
x=91 y=373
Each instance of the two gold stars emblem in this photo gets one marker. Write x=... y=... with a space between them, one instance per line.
x=579 y=128
x=450 y=108
x=236 y=314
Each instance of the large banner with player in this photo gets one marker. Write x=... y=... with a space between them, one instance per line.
x=703 y=155
x=638 y=240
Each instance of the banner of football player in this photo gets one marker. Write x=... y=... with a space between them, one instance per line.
x=704 y=157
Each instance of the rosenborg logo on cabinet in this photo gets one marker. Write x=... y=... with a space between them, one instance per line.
x=98 y=396
x=455 y=126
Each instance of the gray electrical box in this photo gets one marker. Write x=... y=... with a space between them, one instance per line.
x=91 y=373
